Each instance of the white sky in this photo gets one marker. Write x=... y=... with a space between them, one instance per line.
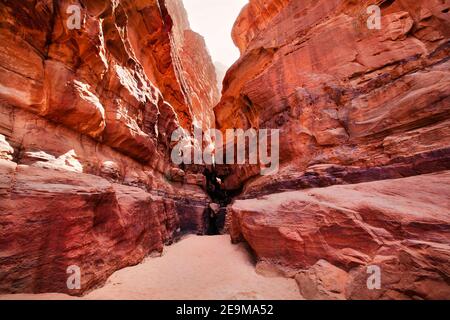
x=214 y=19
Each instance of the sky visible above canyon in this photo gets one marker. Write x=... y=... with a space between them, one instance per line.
x=214 y=19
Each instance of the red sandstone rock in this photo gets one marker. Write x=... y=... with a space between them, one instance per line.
x=196 y=71
x=322 y=281
x=340 y=93
x=353 y=105
x=401 y=225
x=53 y=219
x=86 y=118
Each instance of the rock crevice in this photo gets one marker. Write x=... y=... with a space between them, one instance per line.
x=86 y=123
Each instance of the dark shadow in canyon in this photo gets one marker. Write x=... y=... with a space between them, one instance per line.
x=215 y=219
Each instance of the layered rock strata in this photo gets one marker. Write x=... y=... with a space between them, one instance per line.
x=90 y=93
x=309 y=233
x=363 y=116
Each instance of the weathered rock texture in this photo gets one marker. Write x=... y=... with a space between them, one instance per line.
x=403 y=230
x=197 y=72
x=353 y=105
x=86 y=117
x=340 y=93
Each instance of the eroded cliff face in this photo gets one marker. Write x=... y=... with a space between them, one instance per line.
x=86 y=117
x=197 y=72
x=364 y=110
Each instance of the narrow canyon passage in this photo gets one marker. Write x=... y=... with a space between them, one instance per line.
x=108 y=163
x=207 y=267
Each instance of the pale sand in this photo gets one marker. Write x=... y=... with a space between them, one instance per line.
x=194 y=268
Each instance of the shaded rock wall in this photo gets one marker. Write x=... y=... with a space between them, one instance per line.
x=86 y=117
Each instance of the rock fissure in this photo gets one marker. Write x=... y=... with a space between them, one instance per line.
x=87 y=118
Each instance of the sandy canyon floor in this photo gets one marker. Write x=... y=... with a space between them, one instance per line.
x=193 y=268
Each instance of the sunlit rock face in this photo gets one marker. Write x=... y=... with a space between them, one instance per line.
x=86 y=116
x=353 y=105
x=195 y=69
x=340 y=93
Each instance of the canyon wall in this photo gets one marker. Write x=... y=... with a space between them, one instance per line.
x=364 y=123
x=86 y=117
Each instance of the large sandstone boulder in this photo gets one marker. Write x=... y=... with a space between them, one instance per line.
x=54 y=219
x=400 y=225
